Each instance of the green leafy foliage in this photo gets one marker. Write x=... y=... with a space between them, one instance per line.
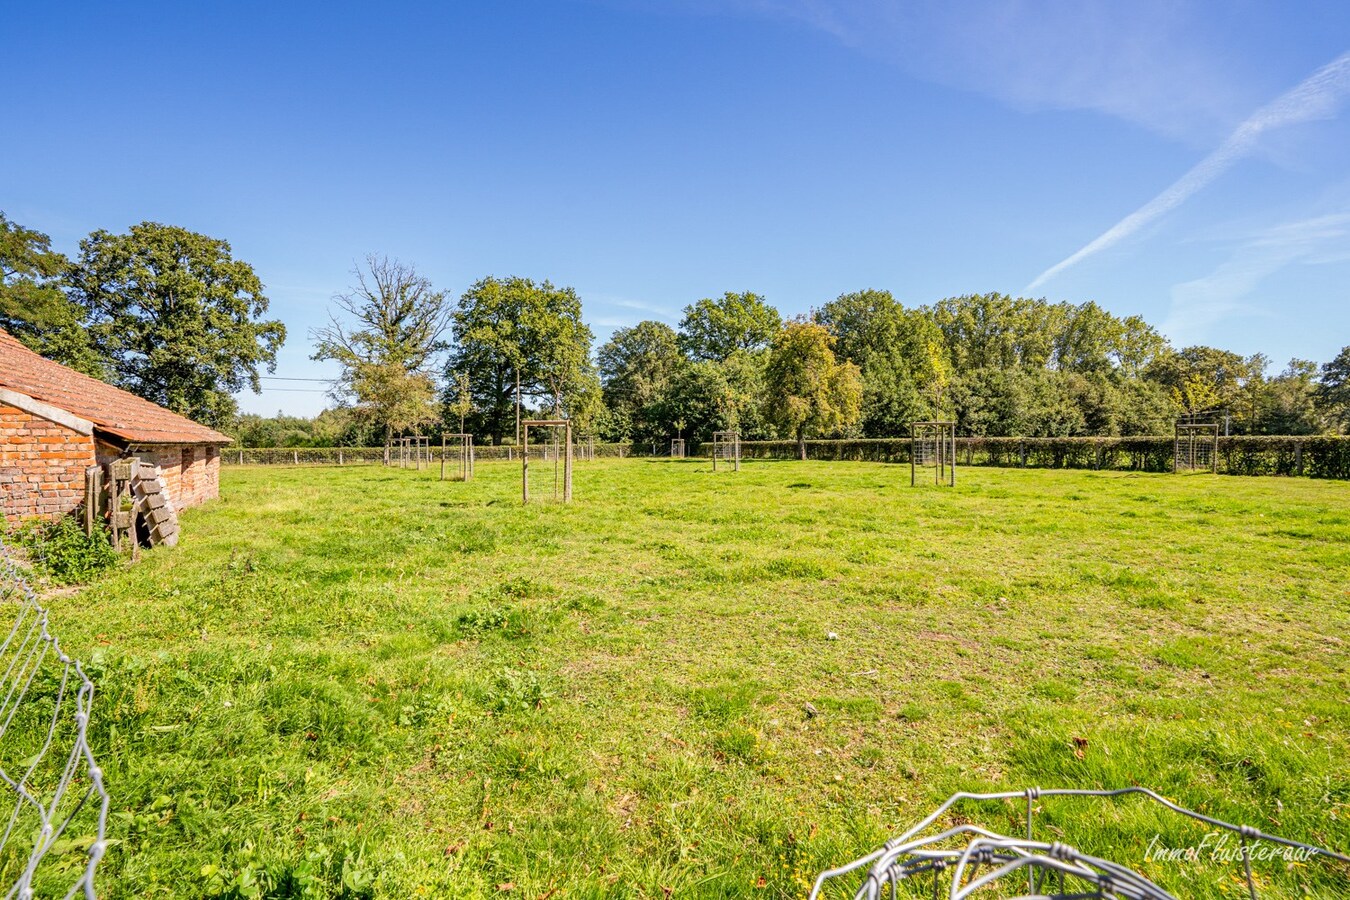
x=170 y=315
x=385 y=335
x=178 y=317
x=808 y=392
x=637 y=366
x=340 y=426
x=512 y=331
x=33 y=305
x=713 y=330
x=516 y=690
x=61 y=552
x=458 y=400
x=904 y=374
x=706 y=396
x=1333 y=392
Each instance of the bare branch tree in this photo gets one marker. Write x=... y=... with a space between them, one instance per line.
x=385 y=333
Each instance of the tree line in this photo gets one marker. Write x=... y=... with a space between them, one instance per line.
x=171 y=315
x=998 y=366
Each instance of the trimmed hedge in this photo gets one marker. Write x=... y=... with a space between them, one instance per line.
x=1315 y=456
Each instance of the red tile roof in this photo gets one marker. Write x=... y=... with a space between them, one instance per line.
x=112 y=410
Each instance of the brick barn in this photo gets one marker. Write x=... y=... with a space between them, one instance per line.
x=56 y=422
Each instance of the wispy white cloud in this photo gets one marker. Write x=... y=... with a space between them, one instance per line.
x=1148 y=62
x=610 y=305
x=659 y=311
x=1318 y=97
x=1225 y=292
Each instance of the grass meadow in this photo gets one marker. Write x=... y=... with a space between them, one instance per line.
x=365 y=682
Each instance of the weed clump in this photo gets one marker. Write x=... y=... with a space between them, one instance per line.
x=484 y=619
x=519 y=690
x=61 y=552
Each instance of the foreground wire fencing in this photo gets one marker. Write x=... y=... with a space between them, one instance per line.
x=965 y=859
x=55 y=814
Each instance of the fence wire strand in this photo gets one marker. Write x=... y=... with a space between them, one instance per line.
x=1057 y=871
x=59 y=802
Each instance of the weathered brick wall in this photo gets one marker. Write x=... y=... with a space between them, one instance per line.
x=194 y=473
x=209 y=486
x=190 y=472
x=41 y=466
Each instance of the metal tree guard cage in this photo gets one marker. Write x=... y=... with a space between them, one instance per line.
x=933 y=444
x=462 y=446
x=677 y=448
x=727 y=447
x=1196 y=447
x=565 y=461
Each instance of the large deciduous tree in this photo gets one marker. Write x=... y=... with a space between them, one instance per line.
x=178 y=317
x=637 y=366
x=1204 y=379
x=1138 y=344
x=706 y=396
x=1333 y=391
x=517 y=339
x=1088 y=340
x=715 y=329
x=808 y=392
x=33 y=304
x=695 y=401
x=1291 y=400
x=900 y=353
x=995 y=331
x=385 y=334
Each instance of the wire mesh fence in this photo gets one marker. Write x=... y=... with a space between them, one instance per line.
x=55 y=816
x=965 y=859
x=1326 y=456
x=358 y=456
x=1315 y=456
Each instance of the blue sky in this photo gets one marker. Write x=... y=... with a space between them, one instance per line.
x=1186 y=162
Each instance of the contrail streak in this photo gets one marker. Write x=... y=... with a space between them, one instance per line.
x=1318 y=97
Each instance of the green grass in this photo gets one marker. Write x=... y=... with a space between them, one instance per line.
x=367 y=683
